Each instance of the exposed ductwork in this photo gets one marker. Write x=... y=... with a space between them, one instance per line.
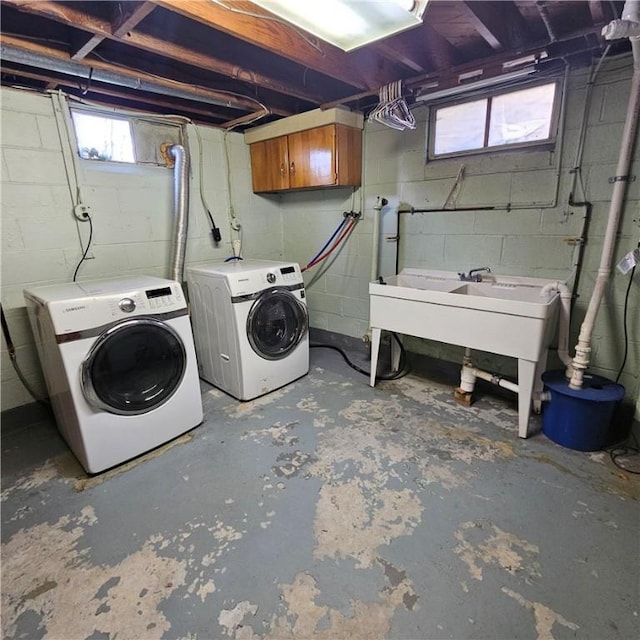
x=180 y=210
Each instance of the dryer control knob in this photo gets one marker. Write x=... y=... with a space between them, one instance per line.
x=127 y=305
x=271 y=277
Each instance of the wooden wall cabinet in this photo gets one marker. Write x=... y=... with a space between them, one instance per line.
x=327 y=156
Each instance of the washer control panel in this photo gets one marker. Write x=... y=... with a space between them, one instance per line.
x=157 y=300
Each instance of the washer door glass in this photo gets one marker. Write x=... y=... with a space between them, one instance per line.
x=276 y=323
x=134 y=367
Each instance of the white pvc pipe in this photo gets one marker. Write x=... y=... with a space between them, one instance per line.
x=564 y=323
x=501 y=382
x=375 y=242
x=469 y=373
x=583 y=348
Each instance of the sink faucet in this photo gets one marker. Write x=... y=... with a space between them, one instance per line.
x=474 y=275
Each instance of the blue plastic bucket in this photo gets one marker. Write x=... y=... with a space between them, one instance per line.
x=580 y=419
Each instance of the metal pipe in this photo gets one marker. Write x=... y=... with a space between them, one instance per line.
x=34 y=59
x=180 y=210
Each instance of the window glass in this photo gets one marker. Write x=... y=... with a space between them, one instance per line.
x=521 y=116
x=103 y=138
x=460 y=127
x=515 y=117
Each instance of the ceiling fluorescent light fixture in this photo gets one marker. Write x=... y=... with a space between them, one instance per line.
x=348 y=24
x=479 y=84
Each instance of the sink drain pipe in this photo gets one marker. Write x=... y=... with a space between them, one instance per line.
x=470 y=373
x=180 y=210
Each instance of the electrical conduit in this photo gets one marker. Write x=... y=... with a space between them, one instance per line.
x=630 y=24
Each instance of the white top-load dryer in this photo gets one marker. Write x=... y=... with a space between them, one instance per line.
x=250 y=324
x=119 y=363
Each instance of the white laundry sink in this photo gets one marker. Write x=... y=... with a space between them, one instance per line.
x=506 y=315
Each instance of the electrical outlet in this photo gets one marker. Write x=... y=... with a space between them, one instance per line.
x=82 y=211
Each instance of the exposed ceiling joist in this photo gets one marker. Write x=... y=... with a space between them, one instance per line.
x=238 y=18
x=230 y=62
x=101 y=29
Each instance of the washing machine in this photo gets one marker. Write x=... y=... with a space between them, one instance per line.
x=250 y=324
x=119 y=362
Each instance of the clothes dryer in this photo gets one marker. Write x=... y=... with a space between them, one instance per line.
x=250 y=324
x=119 y=362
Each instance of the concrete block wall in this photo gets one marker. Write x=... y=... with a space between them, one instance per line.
x=132 y=214
x=525 y=235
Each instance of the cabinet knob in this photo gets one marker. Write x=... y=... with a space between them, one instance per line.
x=282 y=170
x=292 y=169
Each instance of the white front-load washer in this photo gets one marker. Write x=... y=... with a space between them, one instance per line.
x=250 y=324
x=119 y=362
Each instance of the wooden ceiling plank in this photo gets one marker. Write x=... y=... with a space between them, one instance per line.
x=136 y=78
x=500 y=23
x=441 y=53
x=83 y=45
x=134 y=13
x=488 y=21
x=101 y=29
x=280 y=39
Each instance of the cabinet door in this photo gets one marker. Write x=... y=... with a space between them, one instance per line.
x=312 y=156
x=270 y=165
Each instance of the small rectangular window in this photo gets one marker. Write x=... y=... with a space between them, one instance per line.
x=515 y=118
x=124 y=139
x=103 y=138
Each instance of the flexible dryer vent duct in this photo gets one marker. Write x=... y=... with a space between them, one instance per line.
x=180 y=210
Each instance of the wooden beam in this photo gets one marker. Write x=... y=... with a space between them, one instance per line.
x=135 y=12
x=281 y=39
x=84 y=44
x=500 y=23
x=102 y=29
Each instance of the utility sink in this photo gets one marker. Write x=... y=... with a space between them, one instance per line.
x=508 y=315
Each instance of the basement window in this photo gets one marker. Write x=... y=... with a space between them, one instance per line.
x=132 y=140
x=505 y=120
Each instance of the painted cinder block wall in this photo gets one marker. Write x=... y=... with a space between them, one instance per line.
x=40 y=237
x=532 y=238
x=131 y=209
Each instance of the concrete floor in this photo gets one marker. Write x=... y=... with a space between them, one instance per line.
x=326 y=509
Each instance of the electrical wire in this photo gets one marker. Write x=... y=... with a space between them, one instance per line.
x=86 y=251
x=14 y=360
x=312 y=42
x=624 y=324
x=403 y=368
x=336 y=244
x=625 y=451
